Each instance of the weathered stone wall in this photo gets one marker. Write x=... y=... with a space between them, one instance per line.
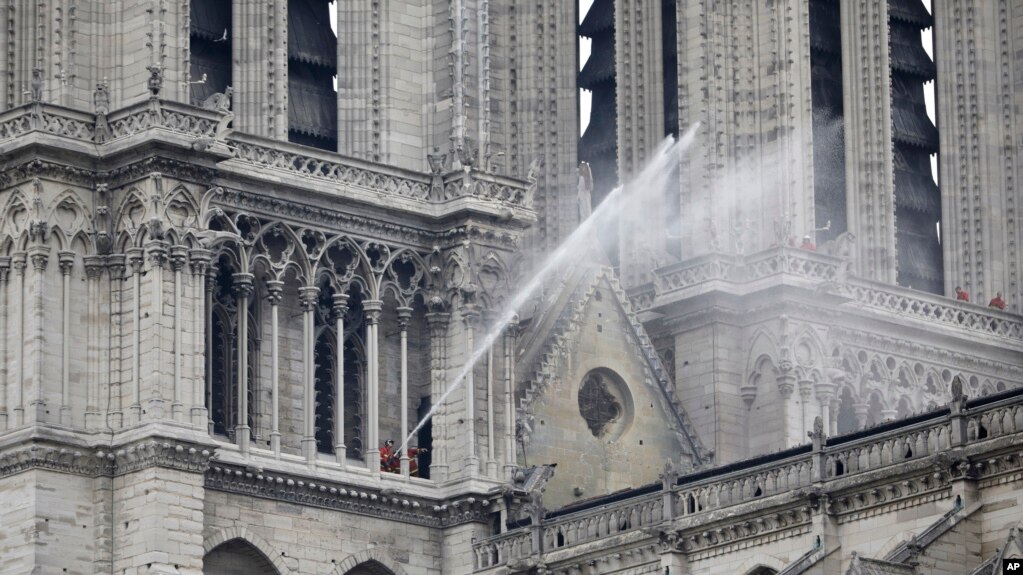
x=313 y=540
x=635 y=446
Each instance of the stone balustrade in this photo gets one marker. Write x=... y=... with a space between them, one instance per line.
x=210 y=126
x=817 y=269
x=932 y=308
x=800 y=472
x=47 y=118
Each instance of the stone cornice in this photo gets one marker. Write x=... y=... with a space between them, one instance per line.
x=71 y=174
x=158 y=453
x=380 y=503
x=71 y=459
x=336 y=219
x=92 y=461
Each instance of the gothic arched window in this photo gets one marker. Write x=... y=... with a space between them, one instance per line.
x=222 y=349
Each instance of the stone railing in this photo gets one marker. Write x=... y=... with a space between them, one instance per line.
x=800 y=263
x=486 y=186
x=818 y=268
x=736 y=269
x=166 y=115
x=796 y=472
x=47 y=118
x=93 y=129
x=694 y=271
x=317 y=164
x=503 y=549
x=593 y=524
x=862 y=456
x=932 y=308
x=335 y=168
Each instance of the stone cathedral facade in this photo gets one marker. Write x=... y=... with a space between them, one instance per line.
x=242 y=255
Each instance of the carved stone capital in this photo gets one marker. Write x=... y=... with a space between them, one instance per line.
x=824 y=391
x=242 y=284
x=136 y=258
x=157 y=252
x=116 y=266
x=786 y=385
x=437 y=322
x=19 y=262
x=274 y=291
x=178 y=257
x=5 y=267
x=340 y=303
x=160 y=453
x=66 y=260
x=200 y=259
x=404 y=316
x=371 y=308
x=39 y=256
x=308 y=296
x=93 y=266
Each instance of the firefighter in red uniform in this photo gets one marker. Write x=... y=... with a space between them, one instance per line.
x=962 y=295
x=997 y=301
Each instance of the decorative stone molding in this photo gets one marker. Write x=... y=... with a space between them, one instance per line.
x=347 y=498
x=65 y=459
x=158 y=453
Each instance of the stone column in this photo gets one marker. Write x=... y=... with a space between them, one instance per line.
x=308 y=295
x=372 y=310
x=19 y=262
x=510 y=457
x=66 y=261
x=404 y=314
x=200 y=263
x=39 y=255
x=274 y=295
x=786 y=380
x=862 y=410
x=115 y=277
x=93 y=271
x=243 y=290
x=178 y=258
x=210 y=285
x=806 y=409
x=340 y=308
x=153 y=347
x=5 y=268
x=135 y=260
x=469 y=316
x=491 y=462
x=437 y=323
x=825 y=393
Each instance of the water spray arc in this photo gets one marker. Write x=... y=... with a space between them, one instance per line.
x=647 y=184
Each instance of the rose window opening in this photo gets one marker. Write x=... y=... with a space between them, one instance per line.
x=605 y=404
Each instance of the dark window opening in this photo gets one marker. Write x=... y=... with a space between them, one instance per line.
x=598 y=146
x=425 y=438
x=828 y=120
x=312 y=66
x=209 y=37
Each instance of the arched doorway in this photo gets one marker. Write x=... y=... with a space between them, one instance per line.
x=238 y=557
x=369 y=568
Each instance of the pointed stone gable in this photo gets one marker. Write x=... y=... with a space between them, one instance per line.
x=598 y=401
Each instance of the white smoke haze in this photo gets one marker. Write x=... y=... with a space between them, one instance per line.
x=644 y=189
